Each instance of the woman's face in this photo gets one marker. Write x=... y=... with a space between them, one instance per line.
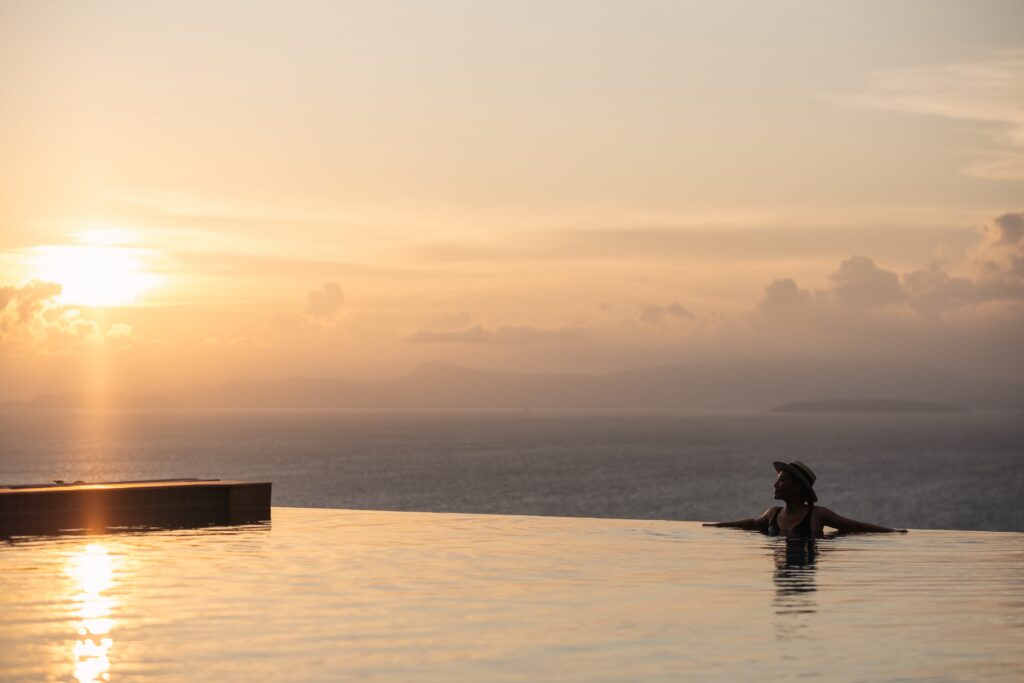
x=786 y=485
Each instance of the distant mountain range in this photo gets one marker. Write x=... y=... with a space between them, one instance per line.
x=868 y=405
x=749 y=385
x=81 y=399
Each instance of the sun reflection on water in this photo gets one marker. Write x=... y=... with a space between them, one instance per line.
x=92 y=569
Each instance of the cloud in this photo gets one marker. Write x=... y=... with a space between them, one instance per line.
x=968 y=313
x=654 y=314
x=782 y=297
x=992 y=275
x=121 y=336
x=32 y=322
x=1000 y=256
x=965 y=312
x=986 y=91
x=325 y=302
x=860 y=283
x=1007 y=229
x=21 y=306
x=932 y=291
x=509 y=335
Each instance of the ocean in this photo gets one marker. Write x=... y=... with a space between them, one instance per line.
x=958 y=471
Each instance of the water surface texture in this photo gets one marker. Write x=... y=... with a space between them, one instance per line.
x=924 y=471
x=326 y=595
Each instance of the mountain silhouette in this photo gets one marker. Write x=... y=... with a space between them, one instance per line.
x=742 y=385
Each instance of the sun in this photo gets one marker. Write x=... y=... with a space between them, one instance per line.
x=97 y=273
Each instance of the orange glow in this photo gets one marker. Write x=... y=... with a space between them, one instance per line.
x=99 y=272
x=607 y=190
x=93 y=572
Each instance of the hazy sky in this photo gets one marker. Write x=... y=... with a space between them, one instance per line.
x=193 y=191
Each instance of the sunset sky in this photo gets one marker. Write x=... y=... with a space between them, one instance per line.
x=196 y=191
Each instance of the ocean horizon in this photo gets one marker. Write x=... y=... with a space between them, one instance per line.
x=951 y=471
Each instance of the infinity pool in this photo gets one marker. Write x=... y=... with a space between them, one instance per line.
x=327 y=595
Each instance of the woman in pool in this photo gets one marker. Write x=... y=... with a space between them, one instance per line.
x=800 y=517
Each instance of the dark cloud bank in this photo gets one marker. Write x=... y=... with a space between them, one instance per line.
x=966 y=315
x=969 y=315
x=993 y=275
x=926 y=334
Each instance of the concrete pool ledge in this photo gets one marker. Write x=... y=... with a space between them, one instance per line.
x=52 y=508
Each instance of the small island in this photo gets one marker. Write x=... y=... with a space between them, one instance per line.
x=868 y=405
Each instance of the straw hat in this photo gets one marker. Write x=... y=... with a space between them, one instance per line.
x=803 y=474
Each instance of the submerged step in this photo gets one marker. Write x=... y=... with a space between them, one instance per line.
x=50 y=508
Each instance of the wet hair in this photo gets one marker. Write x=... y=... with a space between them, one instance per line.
x=807 y=496
x=806 y=493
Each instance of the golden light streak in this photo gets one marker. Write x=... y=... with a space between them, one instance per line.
x=93 y=572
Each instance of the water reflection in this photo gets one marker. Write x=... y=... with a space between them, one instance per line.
x=795 y=585
x=92 y=570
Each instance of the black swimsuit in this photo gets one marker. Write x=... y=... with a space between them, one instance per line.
x=801 y=529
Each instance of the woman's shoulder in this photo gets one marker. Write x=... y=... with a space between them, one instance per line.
x=822 y=512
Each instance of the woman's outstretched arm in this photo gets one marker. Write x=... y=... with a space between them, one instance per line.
x=752 y=524
x=852 y=526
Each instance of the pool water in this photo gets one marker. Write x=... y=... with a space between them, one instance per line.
x=326 y=595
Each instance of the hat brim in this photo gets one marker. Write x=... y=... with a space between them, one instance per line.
x=800 y=477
